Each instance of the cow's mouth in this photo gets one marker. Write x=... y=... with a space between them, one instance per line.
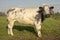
x=47 y=15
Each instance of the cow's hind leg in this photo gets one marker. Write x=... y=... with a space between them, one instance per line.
x=38 y=28
x=10 y=26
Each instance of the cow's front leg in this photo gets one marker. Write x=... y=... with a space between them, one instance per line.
x=38 y=28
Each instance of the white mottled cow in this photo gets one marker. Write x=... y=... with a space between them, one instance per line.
x=34 y=16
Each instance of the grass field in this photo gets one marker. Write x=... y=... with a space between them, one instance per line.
x=50 y=30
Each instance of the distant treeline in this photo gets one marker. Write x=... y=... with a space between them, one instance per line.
x=2 y=13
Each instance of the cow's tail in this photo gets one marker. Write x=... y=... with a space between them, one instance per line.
x=7 y=15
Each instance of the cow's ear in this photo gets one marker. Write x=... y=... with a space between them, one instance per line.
x=51 y=7
x=40 y=7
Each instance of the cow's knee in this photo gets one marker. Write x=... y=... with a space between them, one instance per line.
x=9 y=26
x=11 y=23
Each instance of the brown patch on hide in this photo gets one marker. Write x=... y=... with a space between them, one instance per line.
x=10 y=10
x=21 y=10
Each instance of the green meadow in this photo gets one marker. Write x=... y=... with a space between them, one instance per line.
x=50 y=30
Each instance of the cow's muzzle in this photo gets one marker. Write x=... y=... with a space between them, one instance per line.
x=47 y=15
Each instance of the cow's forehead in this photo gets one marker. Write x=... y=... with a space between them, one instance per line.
x=46 y=6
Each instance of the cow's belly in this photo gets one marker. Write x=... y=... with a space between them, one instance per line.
x=25 y=20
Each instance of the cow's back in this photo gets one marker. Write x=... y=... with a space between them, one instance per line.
x=23 y=15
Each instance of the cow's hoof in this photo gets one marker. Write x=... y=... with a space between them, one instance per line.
x=12 y=34
x=40 y=36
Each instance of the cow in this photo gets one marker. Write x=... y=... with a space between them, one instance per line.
x=34 y=16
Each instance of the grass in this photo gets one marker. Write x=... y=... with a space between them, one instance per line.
x=50 y=30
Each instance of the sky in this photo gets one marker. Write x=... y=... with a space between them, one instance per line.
x=7 y=4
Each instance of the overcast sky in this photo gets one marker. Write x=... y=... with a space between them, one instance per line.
x=6 y=4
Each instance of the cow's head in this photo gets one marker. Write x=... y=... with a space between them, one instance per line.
x=46 y=10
